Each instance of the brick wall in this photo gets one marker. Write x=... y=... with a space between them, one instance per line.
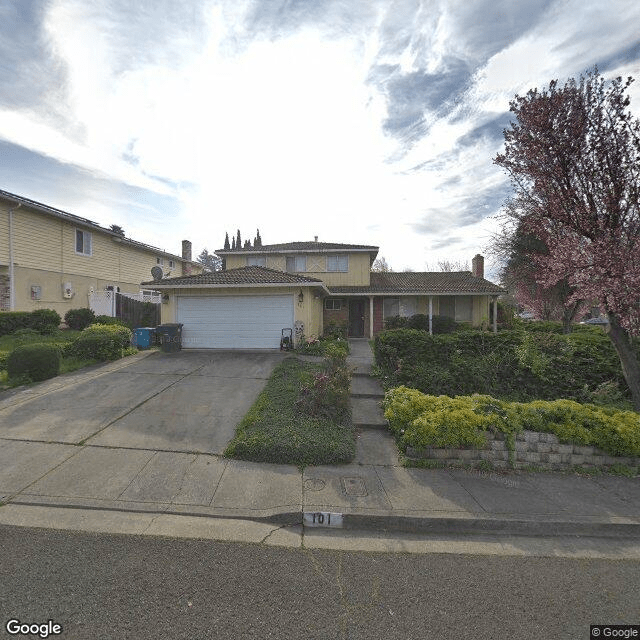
x=378 y=322
x=531 y=449
x=340 y=318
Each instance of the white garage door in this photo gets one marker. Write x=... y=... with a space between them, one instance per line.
x=234 y=322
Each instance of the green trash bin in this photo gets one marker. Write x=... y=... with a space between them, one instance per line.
x=170 y=336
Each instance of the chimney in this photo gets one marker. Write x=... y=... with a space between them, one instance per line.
x=477 y=266
x=186 y=255
x=315 y=238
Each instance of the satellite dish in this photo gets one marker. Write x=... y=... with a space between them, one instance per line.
x=156 y=273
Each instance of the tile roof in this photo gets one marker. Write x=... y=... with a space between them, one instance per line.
x=423 y=282
x=240 y=276
x=301 y=246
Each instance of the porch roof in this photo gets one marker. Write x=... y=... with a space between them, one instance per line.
x=423 y=283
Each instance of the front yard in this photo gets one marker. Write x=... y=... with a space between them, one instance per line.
x=299 y=418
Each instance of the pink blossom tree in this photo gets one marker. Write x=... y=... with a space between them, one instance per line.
x=573 y=156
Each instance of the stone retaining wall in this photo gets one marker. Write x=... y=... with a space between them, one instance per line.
x=532 y=449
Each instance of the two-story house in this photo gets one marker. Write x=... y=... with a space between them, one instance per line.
x=55 y=260
x=306 y=286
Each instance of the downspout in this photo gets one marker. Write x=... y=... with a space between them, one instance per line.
x=12 y=290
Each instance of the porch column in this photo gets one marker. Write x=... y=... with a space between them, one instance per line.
x=430 y=315
x=370 y=317
x=495 y=315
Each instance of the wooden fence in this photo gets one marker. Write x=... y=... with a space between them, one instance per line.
x=136 y=312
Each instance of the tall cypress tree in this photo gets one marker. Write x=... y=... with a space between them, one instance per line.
x=258 y=240
x=238 y=241
x=226 y=241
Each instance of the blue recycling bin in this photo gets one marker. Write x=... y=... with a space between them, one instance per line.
x=143 y=337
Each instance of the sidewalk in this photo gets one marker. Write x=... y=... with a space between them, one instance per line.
x=373 y=493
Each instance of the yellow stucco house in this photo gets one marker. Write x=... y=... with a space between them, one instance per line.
x=306 y=286
x=51 y=259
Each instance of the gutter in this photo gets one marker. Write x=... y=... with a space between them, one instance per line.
x=12 y=284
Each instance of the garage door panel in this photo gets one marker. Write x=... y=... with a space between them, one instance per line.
x=234 y=321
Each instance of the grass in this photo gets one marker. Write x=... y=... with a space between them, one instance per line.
x=60 y=337
x=274 y=430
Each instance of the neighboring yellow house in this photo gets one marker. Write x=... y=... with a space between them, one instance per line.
x=52 y=259
x=305 y=287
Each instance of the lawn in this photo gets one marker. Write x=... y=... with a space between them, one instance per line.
x=276 y=429
x=60 y=338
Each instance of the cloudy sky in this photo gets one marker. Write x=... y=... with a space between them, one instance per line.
x=361 y=121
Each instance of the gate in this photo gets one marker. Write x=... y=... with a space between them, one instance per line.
x=138 y=310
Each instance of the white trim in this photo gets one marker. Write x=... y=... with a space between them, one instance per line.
x=276 y=252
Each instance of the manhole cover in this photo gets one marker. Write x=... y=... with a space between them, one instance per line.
x=353 y=486
x=314 y=484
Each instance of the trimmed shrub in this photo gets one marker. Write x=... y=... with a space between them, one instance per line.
x=45 y=321
x=335 y=331
x=101 y=342
x=79 y=318
x=420 y=421
x=34 y=361
x=515 y=365
x=41 y=320
x=110 y=320
x=396 y=322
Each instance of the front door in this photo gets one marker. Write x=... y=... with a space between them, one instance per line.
x=356 y=318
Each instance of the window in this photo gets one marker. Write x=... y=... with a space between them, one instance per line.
x=83 y=242
x=464 y=309
x=338 y=263
x=256 y=261
x=172 y=264
x=296 y=264
x=460 y=308
x=408 y=307
x=160 y=261
x=390 y=307
x=332 y=304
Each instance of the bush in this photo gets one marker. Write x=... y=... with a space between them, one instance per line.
x=420 y=420
x=335 y=331
x=396 y=322
x=79 y=318
x=515 y=365
x=45 y=320
x=41 y=320
x=101 y=342
x=34 y=361
x=110 y=320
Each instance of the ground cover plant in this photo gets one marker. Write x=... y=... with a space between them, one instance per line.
x=419 y=420
x=529 y=363
x=314 y=346
x=301 y=417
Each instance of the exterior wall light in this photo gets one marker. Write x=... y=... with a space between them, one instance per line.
x=300 y=297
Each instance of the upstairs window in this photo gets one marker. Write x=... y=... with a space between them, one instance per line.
x=160 y=262
x=296 y=264
x=338 y=263
x=172 y=264
x=83 y=242
x=256 y=261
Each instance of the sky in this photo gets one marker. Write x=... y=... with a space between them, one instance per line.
x=358 y=121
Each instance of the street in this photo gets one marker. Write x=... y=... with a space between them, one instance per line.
x=124 y=586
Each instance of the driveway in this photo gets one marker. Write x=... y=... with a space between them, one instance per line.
x=189 y=401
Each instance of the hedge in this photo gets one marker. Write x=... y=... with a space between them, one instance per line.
x=514 y=365
x=34 y=361
x=41 y=320
x=101 y=342
x=420 y=420
x=79 y=318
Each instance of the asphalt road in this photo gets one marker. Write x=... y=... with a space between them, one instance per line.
x=118 y=586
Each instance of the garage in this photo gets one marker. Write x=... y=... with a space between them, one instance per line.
x=234 y=322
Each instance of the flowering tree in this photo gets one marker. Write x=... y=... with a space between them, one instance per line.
x=573 y=157
x=518 y=250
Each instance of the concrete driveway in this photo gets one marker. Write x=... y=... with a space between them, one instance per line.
x=189 y=401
